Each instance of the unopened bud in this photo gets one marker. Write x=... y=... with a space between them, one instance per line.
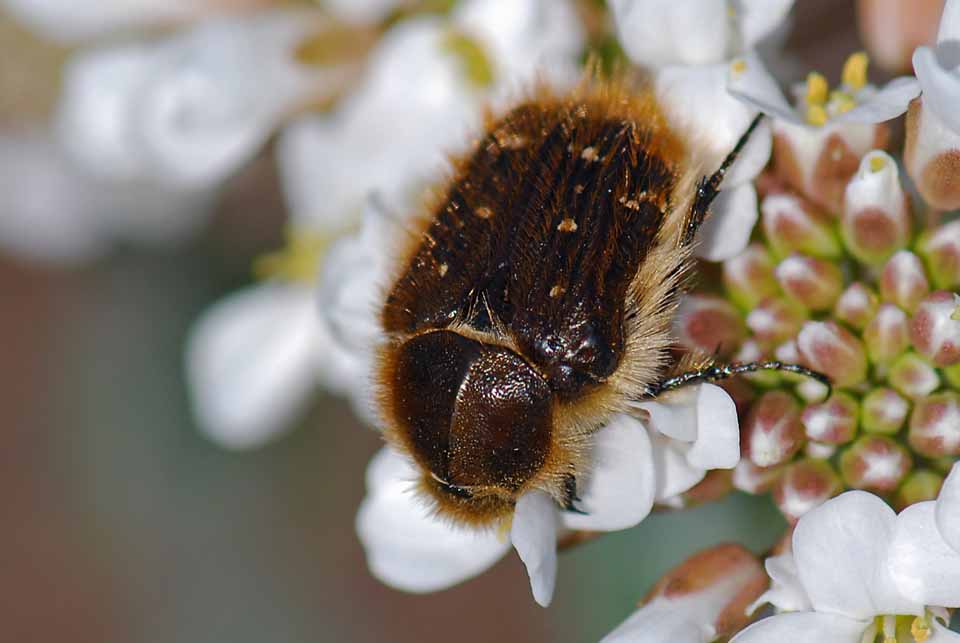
x=921 y=485
x=932 y=157
x=749 y=478
x=875 y=221
x=935 y=425
x=831 y=349
x=714 y=486
x=804 y=485
x=887 y=336
x=776 y=320
x=892 y=29
x=814 y=283
x=857 y=305
x=709 y=324
x=884 y=411
x=935 y=328
x=913 y=376
x=819 y=162
x=875 y=463
x=819 y=450
x=940 y=249
x=791 y=224
x=773 y=431
x=749 y=277
x=903 y=280
x=833 y=421
x=952 y=375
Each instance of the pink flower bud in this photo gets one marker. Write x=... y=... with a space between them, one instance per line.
x=709 y=324
x=913 y=376
x=935 y=328
x=903 y=280
x=773 y=431
x=804 y=485
x=831 y=349
x=774 y=321
x=940 y=248
x=748 y=277
x=935 y=425
x=856 y=306
x=819 y=162
x=819 y=450
x=749 y=478
x=815 y=283
x=921 y=485
x=833 y=421
x=884 y=411
x=875 y=221
x=794 y=225
x=892 y=29
x=932 y=157
x=714 y=486
x=714 y=586
x=875 y=463
x=887 y=335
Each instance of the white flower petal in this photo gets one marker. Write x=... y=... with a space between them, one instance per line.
x=69 y=21
x=925 y=567
x=656 y=33
x=361 y=11
x=786 y=592
x=803 y=626
x=718 y=430
x=658 y=622
x=760 y=18
x=534 y=535
x=674 y=414
x=948 y=509
x=407 y=547
x=618 y=492
x=749 y=81
x=250 y=363
x=727 y=230
x=841 y=552
x=888 y=102
x=675 y=475
x=942 y=635
x=949 y=22
x=684 y=90
x=941 y=86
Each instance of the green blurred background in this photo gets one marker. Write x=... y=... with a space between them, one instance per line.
x=120 y=523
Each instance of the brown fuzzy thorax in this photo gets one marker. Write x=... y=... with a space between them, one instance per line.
x=535 y=298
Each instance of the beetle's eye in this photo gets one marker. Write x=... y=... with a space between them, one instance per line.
x=472 y=413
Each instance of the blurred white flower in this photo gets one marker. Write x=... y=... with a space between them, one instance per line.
x=191 y=109
x=855 y=568
x=410 y=548
x=427 y=82
x=660 y=33
x=360 y=11
x=69 y=21
x=52 y=210
x=948 y=509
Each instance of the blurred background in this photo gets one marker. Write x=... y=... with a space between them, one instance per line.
x=120 y=522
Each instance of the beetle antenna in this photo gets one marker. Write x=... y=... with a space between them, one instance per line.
x=716 y=373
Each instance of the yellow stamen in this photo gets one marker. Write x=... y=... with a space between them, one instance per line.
x=297 y=261
x=956 y=314
x=738 y=66
x=816 y=114
x=841 y=101
x=854 y=74
x=877 y=163
x=476 y=63
x=817 y=89
x=920 y=629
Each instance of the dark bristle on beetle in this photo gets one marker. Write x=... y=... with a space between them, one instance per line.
x=535 y=297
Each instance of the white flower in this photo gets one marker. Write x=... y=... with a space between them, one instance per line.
x=658 y=33
x=69 y=20
x=50 y=210
x=191 y=109
x=409 y=548
x=855 y=567
x=938 y=69
x=416 y=105
x=948 y=509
